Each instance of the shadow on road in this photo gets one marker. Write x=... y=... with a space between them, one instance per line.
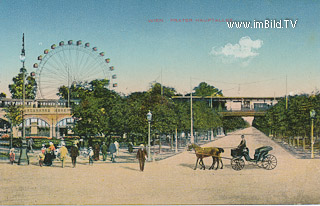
x=130 y=168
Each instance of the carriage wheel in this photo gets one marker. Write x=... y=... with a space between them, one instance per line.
x=270 y=162
x=237 y=164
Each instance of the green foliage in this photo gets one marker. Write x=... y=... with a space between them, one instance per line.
x=293 y=121
x=203 y=89
x=16 y=89
x=233 y=123
x=204 y=117
x=2 y=94
x=166 y=91
x=14 y=114
x=102 y=112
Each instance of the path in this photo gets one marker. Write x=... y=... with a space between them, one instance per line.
x=170 y=181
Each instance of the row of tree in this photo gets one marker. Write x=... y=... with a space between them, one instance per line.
x=291 y=117
x=103 y=112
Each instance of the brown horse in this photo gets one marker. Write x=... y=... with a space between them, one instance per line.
x=202 y=152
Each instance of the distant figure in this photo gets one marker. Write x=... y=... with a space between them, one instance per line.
x=30 y=143
x=52 y=150
x=90 y=153
x=112 y=150
x=63 y=154
x=96 y=151
x=130 y=147
x=41 y=158
x=117 y=147
x=141 y=156
x=48 y=157
x=43 y=148
x=12 y=156
x=74 y=153
x=104 y=150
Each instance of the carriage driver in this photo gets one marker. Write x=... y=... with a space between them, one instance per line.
x=242 y=144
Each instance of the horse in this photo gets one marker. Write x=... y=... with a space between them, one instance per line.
x=202 y=152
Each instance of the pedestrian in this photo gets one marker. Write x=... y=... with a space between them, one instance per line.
x=90 y=153
x=112 y=150
x=43 y=148
x=52 y=148
x=74 y=154
x=12 y=156
x=130 y=147
x=104 y=151
x=63 y=154
x=30 y=143
x=141 y=156
x=117 y=147
x=96 y=151
x=47 y=157
x=41 y=158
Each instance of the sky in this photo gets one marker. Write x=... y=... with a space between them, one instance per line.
x=172 y=51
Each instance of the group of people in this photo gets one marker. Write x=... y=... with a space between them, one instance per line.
x=94 y=152
x=48 y=154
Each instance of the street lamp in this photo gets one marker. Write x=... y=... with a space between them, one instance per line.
x=149 y=118
x=23 y=159
x=312 y=116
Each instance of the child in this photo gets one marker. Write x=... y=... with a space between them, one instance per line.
x=90 y=152
x=41 y=159
x=12 y=156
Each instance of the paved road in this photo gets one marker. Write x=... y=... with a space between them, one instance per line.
x=170 y=181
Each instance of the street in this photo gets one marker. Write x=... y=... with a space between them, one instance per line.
x=169 y=181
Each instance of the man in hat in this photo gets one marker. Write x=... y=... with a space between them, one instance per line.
x=141 y=156
x=104 y=150
x=90 y=153
x=74 y=153
x=242 y=145
x=63 y=153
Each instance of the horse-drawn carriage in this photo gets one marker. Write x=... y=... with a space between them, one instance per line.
x=261 y=158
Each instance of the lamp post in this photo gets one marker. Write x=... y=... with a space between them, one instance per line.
x=313 y=116
x=149 y=118
x=23 y=159
x=191 y=114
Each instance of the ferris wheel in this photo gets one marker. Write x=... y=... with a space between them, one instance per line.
x=71 y=63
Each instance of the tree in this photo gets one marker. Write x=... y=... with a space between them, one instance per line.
x=82 y=89
x=166 y=91
x=3 y=95
x=16 y=89
x=203 y=89
x=91 y=118
x=14 y=114
x=293 y=121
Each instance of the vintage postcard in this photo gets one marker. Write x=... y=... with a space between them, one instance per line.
x=119 y=102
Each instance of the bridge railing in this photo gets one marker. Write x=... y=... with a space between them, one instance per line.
x=37 y=103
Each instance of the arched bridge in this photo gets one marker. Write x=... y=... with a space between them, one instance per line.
x=48 y=115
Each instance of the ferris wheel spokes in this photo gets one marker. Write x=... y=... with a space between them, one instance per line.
x=70 y=63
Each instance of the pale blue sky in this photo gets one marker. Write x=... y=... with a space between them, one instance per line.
x=139 y=49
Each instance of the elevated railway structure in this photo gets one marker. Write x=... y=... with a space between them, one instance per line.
x=236 y=106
